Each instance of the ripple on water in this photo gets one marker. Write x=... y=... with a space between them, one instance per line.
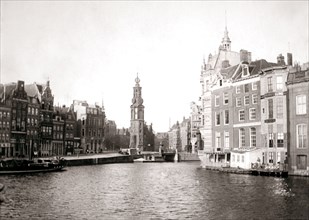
x=151 y=191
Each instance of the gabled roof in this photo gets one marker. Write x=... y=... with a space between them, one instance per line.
x=255 y=68
x=6 y=90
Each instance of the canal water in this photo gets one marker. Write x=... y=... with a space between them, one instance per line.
x=152 y=191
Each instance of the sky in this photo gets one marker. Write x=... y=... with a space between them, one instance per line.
x=93 y=50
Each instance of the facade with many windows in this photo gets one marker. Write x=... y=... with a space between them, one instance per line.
x=222 y=109
x=298 y=122
x=210 y=77
x=5 y=131
x=33 y=118
x=274 y=114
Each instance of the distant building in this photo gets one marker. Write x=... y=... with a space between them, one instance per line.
x=110 y=128
x=90 y=123
x=5 y=120
x=196 y=142
x=33 y=118
x=298 y=122
x=46 y=122
x=161 y=141
x=58 y=133
x=185 y=135
x=19 y=102
x=174 y=137
x=137 y=118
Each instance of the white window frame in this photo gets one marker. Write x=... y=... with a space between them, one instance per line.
x=225 y=116
x=252 y=137
x=226 y=139
x=238 y=89
x=238 y=101
x=239 y=115
x=302 y=136
x=241 y=137
x=217 y=102
x=254 y=98
x=250 y=114
x=217 y=113
x=279 y=83
x=254 y=86
x=218 y=140
x=301 y=104
x=279 y=107
x=246 y=97
x=280 y=136
x=270 y=84
x=225 y=98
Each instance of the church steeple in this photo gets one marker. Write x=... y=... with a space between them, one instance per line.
x=137 y=117
x=226 y=42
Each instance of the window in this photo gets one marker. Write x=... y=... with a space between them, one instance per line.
x=252 y=114
x=225 y=98
x=226 y=139
x=246 y=88
x=247 y=102
x=226 y=117
x=217 y=118
x=279 y=83
x=218 y=139
x=270 y=140
x=217 y=100
x=241 y=115
x=301 y=132
x=301 y=162
x=254 y=86
x=270 y=108
x=233 y=158
x=279 y=107
x=271 y=157
x=254 y=99
x=280 y=139
x=243 y=158
x=269 y=84
x=238 y=101
x=237 y=158
x=253 y=137
x=237 y=89
x=242 y=141
x=301 y=104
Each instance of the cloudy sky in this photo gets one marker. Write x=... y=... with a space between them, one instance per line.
x=92 y=50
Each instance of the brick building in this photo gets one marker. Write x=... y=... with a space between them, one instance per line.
x=298 y=122
x=274 y=114
x=90 y=124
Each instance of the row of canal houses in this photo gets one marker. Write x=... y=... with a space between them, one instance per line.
x=253 y=112
x=30 y=124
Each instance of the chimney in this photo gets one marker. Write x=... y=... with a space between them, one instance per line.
x=289 y=58
x=280 y=60
x=244 y=56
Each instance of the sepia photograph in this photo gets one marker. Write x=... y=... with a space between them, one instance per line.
x=137 y=110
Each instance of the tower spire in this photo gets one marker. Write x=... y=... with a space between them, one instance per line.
x=226 y=42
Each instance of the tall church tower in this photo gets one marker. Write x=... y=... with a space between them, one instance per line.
x=137 y=118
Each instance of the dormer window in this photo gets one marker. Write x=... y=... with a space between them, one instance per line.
x=245 y=71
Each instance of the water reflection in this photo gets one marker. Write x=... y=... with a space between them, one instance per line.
x=153 y=190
